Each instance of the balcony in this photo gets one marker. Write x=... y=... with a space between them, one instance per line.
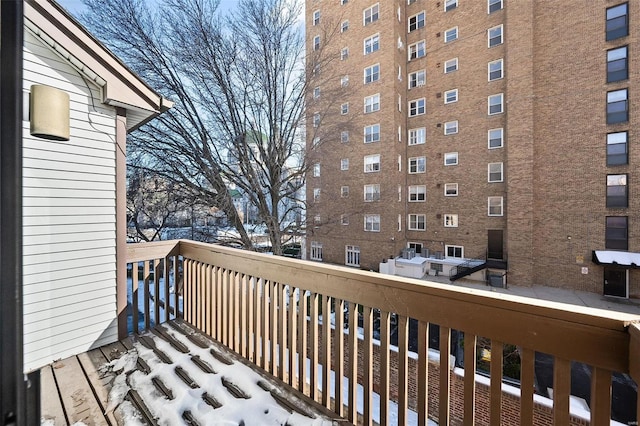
x=331 y=334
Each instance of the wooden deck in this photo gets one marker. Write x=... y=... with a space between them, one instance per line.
x=77 y=389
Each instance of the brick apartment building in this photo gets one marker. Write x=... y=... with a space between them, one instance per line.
x=497 y=129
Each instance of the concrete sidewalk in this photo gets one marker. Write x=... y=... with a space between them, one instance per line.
x=572 y=297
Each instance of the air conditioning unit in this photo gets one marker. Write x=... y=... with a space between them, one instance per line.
x=440 y=255
x=408 y=253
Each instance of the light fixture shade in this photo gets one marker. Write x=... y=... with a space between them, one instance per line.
x=49 y=113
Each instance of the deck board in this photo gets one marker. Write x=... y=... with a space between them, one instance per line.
x=99 y=382
x=51 y=405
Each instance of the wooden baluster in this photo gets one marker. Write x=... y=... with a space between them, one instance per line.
x=561 y=391
x=423 y=372
x=273 y=331
x=257 y=322
x=176 y=286
x=384 y=367
x=226 y=307
x=167 y=288
x=244 y=309
x=600 y=396
x=326 y=351
x=339 y=358
x=352 y=373
x=403 y=369
x=147 y=319
x=186 y=283
x=496 y=368
x=470 y=342
x=219 y=284
x=527 y=387
x=282 y=332
x=293 y=329
x=235 y=323
x=157 y=267
x=134 y=297
x=314 y=346
x=367 y=319
x=445 y=368
x=303 y=312
x=266 y=361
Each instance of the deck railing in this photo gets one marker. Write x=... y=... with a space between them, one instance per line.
x=286 y=316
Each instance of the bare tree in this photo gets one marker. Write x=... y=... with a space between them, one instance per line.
x=239 y=84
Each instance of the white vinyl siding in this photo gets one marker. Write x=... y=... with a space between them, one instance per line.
x=69 y=234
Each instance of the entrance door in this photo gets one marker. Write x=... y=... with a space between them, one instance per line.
x=615 y=282
x=495 y=244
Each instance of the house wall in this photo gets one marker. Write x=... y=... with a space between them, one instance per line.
x=69 y=220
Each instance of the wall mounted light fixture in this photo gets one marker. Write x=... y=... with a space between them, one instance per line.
x=49 y=113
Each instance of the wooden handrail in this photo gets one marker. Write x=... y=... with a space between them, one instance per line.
x=139 y=252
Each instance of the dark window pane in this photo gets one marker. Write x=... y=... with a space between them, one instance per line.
x=616 y=236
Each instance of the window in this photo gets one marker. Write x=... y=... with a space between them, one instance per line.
x=617 y=106
x=451 y=65
x=316 y=93
x=316 y=194
x=344 y=2
x=344 y=219
x=616 y=233
x=494 y=36
x=372 y=192
x=417 y=79
x=372 y=74
x=344 y=27
x=344 y=191
x=617 y=150
x=450 y=158
x=372 y=163
x=417 y=136
x=416 y=21
x=416 y=107
x=496 y=104
x=316 y=119
x=371 y=44
x=344 y=81
x=344 y=136
x=617 y=21
x=494 y=5
x=451 y=96
x=316 y=170
x=344 y=164
x=352 y=255
x=344 y=109
x=344 y=53
x=451 y=127
x=617 y=64
x=450 y=189
x=416 y=246
x=451 y=34
x=495 y=138
x=454 y=251
x=450 y=220
x=417 y=164
x=417 y=222
x=494 y=172
x=495 y=70
x=316 y=17
x=372 y=133
x=316 y=251
x=450 y=5
x=417 y=50
x=316 y=43
x=617 y=192
x=495 y=206
x=372 y=103
x=417 y=193
x=317 y=220
x=371 y=14
x=372 y=222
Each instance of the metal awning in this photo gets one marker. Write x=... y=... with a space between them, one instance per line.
x=623 y=259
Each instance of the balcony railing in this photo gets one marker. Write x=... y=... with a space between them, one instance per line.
x=313 y=325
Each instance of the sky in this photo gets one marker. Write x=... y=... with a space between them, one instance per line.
x=76 y=6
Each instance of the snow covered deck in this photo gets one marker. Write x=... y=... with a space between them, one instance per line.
x=170 y=375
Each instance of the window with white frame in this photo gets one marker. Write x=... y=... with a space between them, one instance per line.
x=371 y=44
x=495 y=70
x=451 y=34
x=316 y=17
x=496 y=104
x=450 y=5
x=372 y=74
x=450 y=158
x=344 y=26
x=494 y=5
x=450 y=189
x=316 y=194
x=344 y=81
x=417 y=222
x=344 y=136
x=495 y=138
x=317 y=219
x=451 y=96
x=494 y=206
x=371 y=14
x=417 y=136
x=417 y=107
x=417 y=50
x=494 y=172
x=451 y=65
x=344 y=219
x=316 y=119
x=344 y=108
x=417 y=79
x=372 y=192
x=416 y=21
x=372 y=133
x=316 y=93
x=617 y=149
x=344 y=164
x=417 y=193
x=494 y=36
x=344 y=191
x=316 y=170
x=451 y=127
x=344 y=53
x=372 y=222
x=416 y=246
x=372 y=163
x=454 y=251
x=417 y=164
x=316 y=251
x=316 y=43
x=352 y=255
x=450 y=220
x=372 y=103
